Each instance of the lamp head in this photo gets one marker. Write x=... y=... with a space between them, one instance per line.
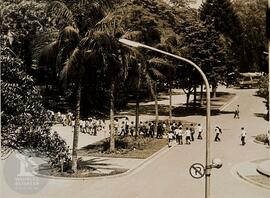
x=217 y=163
x=130 y=43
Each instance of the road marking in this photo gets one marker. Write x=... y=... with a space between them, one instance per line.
x=226 y=105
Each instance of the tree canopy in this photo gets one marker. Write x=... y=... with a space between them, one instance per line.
x=24 y=124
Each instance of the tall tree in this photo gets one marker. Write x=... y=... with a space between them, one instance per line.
x=207 y=49
x=222 y=15
x=68 y=55
x=253 y=43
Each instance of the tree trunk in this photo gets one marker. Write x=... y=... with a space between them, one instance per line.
x=137 y=115
x=201 y=97
x=170 y=96
x=170 y=105
x=112 y=130
x=188 y=96
x=195 y=96
x=156 y=109
x=214 y=91
x=76 y=129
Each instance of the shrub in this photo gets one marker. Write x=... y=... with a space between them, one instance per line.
x=261 y=138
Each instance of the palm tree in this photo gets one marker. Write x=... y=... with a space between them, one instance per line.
x=101 y=51
x=68 y=55
x=158 y=70
x=72 y=72
x=112 y=65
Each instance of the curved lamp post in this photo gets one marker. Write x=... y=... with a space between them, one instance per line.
x=208 y=163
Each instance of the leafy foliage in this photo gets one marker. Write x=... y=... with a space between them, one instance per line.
x=253 y=21
x=264 y=89
x=21 y=22
x=23 y=118
x=222 y=15
x=206 y=49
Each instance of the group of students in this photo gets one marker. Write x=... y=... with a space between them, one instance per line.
x=126 y=127
x=181 y=134
x=91 y=126
x=65 y=119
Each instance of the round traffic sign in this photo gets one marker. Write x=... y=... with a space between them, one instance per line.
x=197 y=170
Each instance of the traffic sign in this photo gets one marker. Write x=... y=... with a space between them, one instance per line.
x=197 y=170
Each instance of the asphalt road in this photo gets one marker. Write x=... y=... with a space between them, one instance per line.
x=168 y=176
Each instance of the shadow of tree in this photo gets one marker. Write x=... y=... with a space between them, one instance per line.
x=261 y=115
x=94 y=162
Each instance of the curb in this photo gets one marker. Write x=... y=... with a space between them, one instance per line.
x=245 y=178
x=144 y=163
x=258 y=142
x=252 y=181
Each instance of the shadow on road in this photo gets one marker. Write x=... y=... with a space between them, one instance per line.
x=261 y=115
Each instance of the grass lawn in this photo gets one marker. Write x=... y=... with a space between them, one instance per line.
x=126 y=147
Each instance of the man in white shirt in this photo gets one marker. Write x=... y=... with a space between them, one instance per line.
x=177 y=135
x=200 y=130
x=243 y=136
x=170 y=139
x=188 y=135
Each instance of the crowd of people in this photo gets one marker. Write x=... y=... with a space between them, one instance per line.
x=183 y=134
x=124 y=127
x=90 y=125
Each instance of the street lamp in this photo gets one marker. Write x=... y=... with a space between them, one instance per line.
x=208 y=163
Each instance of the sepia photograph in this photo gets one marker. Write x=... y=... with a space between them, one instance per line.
x=135 y=98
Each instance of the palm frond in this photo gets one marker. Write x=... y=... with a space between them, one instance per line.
x=47 y=56
x=68 y=35
x=159 y=63
x=156 y=74
x=133 y=35
x=71 y=69
x=41 y=41
x=150 y=84
x=61 y=11
x=164 y=66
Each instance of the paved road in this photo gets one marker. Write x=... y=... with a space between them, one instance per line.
x=168 y=175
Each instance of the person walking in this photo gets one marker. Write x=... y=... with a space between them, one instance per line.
x=87 y=126
x=73 y=124
x=237 y=112
x=152 y=129
x=123 y=127
x=218 y=131
x=126 y=126
x=243 y=136
x=170 y=139
x=159 y=130
x=132 y=128
x=200 y=130
x=188 y=134
x=181 y=134
x=177 y=135
x=192 y=132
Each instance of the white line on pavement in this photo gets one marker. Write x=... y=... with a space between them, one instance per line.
x=226 y=105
